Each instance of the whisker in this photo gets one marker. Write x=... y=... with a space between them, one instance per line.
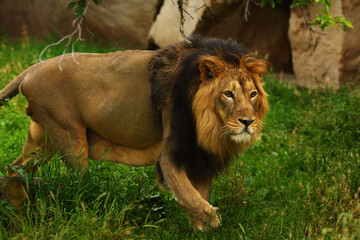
x=223 y=134
x=225 y=131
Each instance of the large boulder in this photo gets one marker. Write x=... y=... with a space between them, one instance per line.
x=118 y=21
x=264 y=33
x=316 y=59
x=165 y=29
x=12 y=190
x=34 y=18
x=350 y=50
x=325 y=60
x=123 y=20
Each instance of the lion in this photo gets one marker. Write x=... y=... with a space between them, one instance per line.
x=189 y=108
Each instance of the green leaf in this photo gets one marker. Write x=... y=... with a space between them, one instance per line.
x=344 y=23
x=79 y=12
x=96 y=2
x=326 y=3
x=71 y=5
x=298 y=3
x=295 y=4
x=347 y=23
x=271 y=2
x=263 y=3
x=82 y=3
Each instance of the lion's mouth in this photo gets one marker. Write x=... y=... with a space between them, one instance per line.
x=242 y=136
x=245 y=130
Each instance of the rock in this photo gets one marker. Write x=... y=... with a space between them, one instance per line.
x=315 y=56
x=325 y=60
x=317 y=60
x=12 y=190
x=350 y=52
x=119 y=21
x=34 y=18
x=265 y=32
x=123 y=20
x=15 y=190
x=165 y=29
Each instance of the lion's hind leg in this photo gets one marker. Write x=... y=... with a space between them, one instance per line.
x=64 y=128
x=36 y=149
x=71 y=144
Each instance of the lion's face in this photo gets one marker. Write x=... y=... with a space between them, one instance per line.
x=235 y=102
x=230 y=104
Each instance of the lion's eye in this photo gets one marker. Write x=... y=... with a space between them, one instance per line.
x=253 y=94
x=229 y=94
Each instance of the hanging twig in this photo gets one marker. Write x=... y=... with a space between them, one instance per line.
x=247 y=11
x=182 y=19
x=308 y=24
x=207 y=8
x=77 y=23
x=247 y=6
x=311 y=30
x=184 y=12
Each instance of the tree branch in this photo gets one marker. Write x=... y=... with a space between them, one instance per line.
x=311 y=30
x=308 y=23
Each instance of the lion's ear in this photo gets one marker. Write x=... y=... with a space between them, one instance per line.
x=210 y=67
x=257 y=67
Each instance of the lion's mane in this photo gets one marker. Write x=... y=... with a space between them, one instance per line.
x=175 y=80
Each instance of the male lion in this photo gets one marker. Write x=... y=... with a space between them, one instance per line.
x=198 y=103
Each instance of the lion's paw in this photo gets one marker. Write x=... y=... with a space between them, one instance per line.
x=206 y=219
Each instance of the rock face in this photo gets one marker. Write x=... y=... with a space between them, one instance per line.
x=12 y=190
x=165 y=29
x=265 y=31
x=35 y=18
x=326 y=60
x=281 y=34
x=123 y=20
x=350 y=51
x=118 y=21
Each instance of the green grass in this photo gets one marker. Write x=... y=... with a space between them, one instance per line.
x=301 y=180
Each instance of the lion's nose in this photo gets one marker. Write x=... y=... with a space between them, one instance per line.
x=246 y=122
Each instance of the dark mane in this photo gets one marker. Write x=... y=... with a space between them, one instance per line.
x=174 y=78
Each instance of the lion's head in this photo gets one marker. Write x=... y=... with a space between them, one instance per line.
x=214 y=91
x=230 y=104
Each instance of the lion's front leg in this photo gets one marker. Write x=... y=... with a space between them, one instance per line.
x=203 y=187
x=201 y=213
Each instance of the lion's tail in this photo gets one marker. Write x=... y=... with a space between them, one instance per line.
x=12 y=89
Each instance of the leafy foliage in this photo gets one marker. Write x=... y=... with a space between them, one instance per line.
x=323 y=19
